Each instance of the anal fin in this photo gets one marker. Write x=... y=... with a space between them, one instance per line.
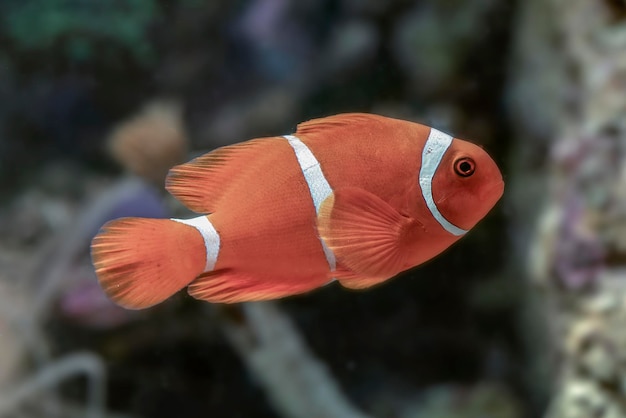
x=351 y=280
x=231 y=286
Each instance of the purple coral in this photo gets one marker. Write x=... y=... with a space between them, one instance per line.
x=579 y=254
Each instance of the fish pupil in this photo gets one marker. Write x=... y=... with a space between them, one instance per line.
x=464 y=167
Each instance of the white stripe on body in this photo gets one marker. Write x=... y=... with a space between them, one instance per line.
x=318 y=185
x=434 y=149
x=209 y=235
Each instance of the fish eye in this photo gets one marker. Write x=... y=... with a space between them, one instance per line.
x=464 y=167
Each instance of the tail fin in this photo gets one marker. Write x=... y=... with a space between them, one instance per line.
x=141 y=262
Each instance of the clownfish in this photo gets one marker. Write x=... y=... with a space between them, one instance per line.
x=354 y=197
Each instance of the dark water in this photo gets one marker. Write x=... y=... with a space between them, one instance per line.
x=221 y=72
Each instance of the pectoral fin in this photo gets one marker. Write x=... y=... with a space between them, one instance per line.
x=366 y=234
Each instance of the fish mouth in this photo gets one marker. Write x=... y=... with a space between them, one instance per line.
x=484 y=202
x=483 y=195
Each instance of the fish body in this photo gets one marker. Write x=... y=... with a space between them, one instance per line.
x=353 y=197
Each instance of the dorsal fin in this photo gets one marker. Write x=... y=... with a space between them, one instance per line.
x=200 y=183
x=337 y=121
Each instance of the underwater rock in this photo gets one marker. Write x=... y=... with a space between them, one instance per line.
x=482 y=400
x=12 y=347
x=33 y=215
x=583 y=399
x=593 y=350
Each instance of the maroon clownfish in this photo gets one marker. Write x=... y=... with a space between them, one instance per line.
x=353 y=197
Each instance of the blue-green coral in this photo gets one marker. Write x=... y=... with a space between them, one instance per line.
x=39 y=24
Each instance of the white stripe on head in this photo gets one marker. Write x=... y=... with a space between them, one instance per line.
x=209 y=235
x=318 y=185
x=434 y=149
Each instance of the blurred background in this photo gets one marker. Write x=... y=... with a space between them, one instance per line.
x=524 y=317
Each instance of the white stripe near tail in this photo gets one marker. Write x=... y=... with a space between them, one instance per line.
x=209 y=235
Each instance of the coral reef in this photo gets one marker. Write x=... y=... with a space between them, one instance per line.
x=567 y=99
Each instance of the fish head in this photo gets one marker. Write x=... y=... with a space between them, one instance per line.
x=466 y=185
